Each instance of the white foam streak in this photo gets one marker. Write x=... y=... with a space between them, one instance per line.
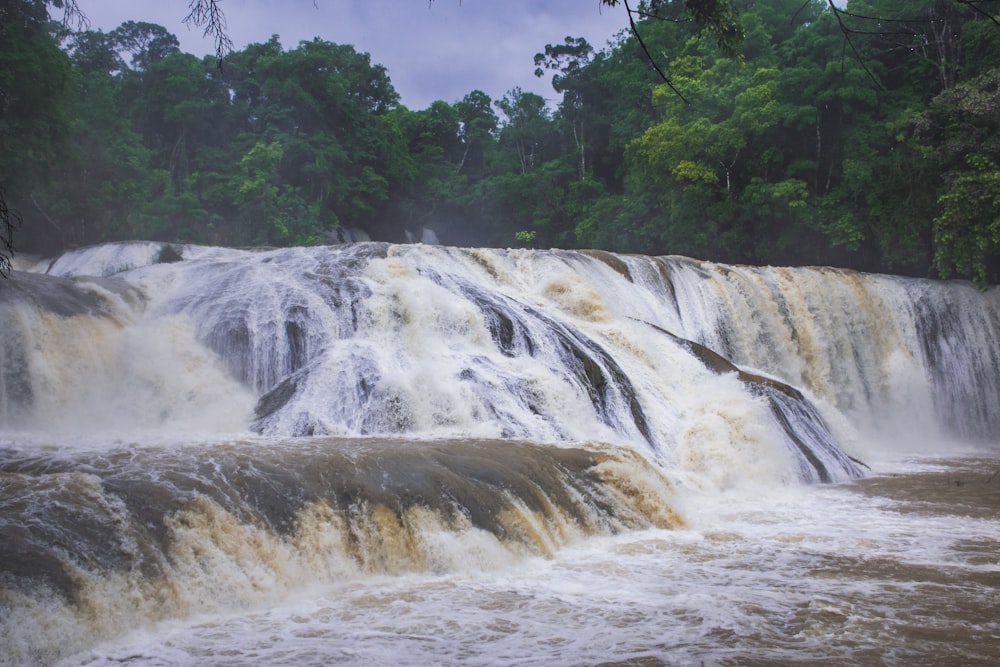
x=106 y=260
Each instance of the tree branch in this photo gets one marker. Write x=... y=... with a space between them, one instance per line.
x=847 y=37
x=208 y=14
x=974 y=5
x=645 y=49
x=73 y=17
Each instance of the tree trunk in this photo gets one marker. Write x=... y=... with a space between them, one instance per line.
x=578 y=138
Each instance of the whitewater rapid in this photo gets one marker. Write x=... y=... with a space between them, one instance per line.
x=553 y=346
x=187 y=432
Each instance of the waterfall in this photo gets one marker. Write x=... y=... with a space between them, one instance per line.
x=889 y=352
x=552 y=346
x=189 y=430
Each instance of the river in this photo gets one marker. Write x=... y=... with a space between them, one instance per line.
x=378 y=454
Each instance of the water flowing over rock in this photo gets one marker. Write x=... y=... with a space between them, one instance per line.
x=373 y=339
x=191 y=430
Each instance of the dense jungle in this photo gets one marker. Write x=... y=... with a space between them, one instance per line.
x=866 y=137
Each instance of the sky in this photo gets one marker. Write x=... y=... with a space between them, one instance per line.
x=440 y=50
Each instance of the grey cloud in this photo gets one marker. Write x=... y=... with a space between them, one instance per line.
x=432 y=51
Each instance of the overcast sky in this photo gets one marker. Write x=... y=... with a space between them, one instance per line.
x=442 y=50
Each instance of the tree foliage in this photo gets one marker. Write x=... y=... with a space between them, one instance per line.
x=766 y=131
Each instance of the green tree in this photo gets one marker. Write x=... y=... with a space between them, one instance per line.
x=147 y=42
x=95 y=51
x=34 y=123
x=961 y=128
x=477 y=133
x=703 y=155
x=102 y=187
x=327 y=105
x=526 y=129
x=915 y=41
x=718 y=18
x=967 y=229
x=786 y=136
x=570 y=60
x=267 y=204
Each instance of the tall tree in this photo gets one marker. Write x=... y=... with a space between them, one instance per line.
x=147 y=42
x=34 y=74
x=526 y=128
x=478 y=130
x=101 y=186
x=961 y=128
x=324 y=103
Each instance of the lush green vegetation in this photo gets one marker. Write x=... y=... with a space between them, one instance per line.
x=878 y=150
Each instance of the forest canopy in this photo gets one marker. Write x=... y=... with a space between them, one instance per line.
x=863 y=136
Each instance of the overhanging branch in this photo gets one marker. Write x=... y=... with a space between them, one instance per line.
x=208 y=14
x=635 y=31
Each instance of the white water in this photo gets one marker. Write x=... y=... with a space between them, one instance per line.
x=418 y=323
x=127 y=404
x=762 y=576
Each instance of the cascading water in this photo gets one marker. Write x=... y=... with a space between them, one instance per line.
x=884 y=350
x=190 y=430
